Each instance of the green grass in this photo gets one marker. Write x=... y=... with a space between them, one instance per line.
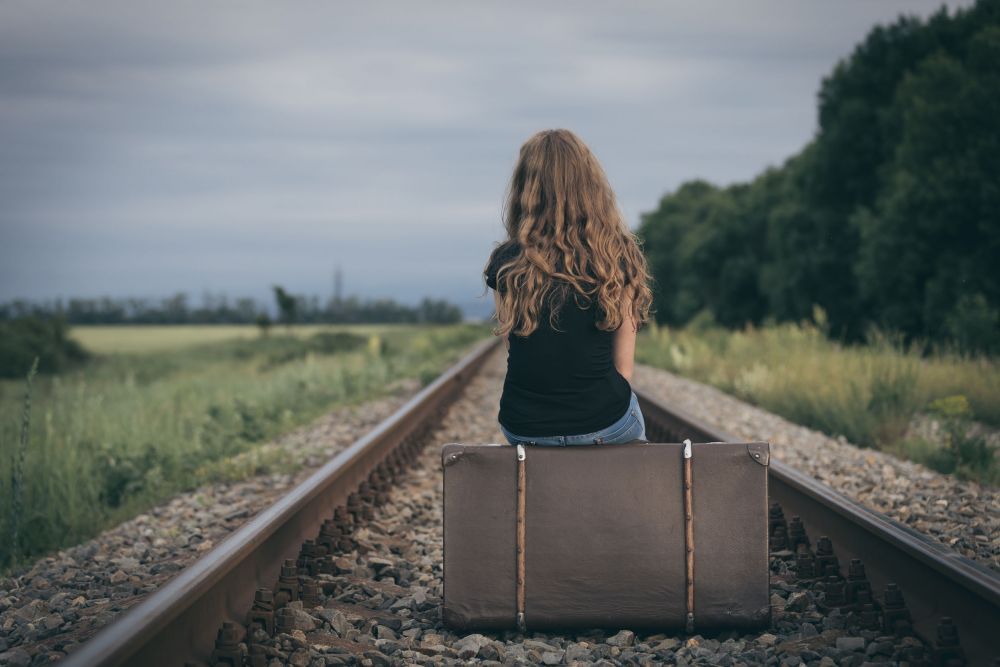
x=867 y=393
x=129 y=430
x=135 y=338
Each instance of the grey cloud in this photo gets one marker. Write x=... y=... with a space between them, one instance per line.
x=151 y=147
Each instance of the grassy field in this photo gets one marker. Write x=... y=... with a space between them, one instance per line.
x=870 y=394
x=130 y=339
x=160 y=411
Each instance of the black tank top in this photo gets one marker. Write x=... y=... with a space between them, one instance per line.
x=559 y=381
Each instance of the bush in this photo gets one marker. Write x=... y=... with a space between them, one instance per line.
x=867 y=393
x=130 y=430
x=965 y=453
x=24 y=338
x=973 y=325
x=279 y=350
x=331 y=342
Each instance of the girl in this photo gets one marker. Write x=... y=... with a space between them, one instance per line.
x=571 y=289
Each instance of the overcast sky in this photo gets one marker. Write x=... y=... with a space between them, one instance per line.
x=147 y=148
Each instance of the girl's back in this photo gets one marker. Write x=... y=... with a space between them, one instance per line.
x=570 y=284
x=563 y=379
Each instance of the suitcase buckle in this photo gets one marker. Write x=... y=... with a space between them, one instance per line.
x=687 y=449
x=520 y=452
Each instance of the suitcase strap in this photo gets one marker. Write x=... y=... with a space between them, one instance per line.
x=520 y=538
x=688 y=538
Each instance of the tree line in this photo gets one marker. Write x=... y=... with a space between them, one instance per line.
x=219 y=309
x=889 y=217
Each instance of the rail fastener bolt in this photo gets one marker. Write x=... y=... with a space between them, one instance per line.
x=797 y=533
x=228 y=650
x=805 y=563
x=262 y=612
x=947 y=651
x=287 y=589
x=895 y=616
x=826 y=561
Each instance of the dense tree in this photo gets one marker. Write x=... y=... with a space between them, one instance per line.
x=933 y=235
x=887 y=217
x=23 y=339
x=288 y=305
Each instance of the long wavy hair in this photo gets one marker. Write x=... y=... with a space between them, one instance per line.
x=562 y=213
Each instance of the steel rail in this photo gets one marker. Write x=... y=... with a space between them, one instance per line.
x=179 y=622
x=936 y=580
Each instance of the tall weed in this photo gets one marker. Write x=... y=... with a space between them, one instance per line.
x=867 y=393
x=127 y=431
x=17 y=470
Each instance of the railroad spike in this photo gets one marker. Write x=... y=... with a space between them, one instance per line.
x=310 y=592
x=287 y=589
x=797 y=533
x=366 y=498
x=284 y=621
x=341 y=514
x=867 y=613
x=257 y=656
x=914 y=654
x=308 y=555
x=227 y=645
x=895 y=616
x=805 y=563
x=325 y=565
x=366 y=492
x=775 y=518
x=947 y=651
x=857 y=581
x=833 y=589
x=779 y=540
x=826 y=561
x=329 y=533
x=262 y=612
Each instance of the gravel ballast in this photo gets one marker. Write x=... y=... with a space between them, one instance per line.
x=383 y=605
x=962 y=515
x=66 y=598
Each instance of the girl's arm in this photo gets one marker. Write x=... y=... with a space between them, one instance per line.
x=496 y=300
x=623 y=346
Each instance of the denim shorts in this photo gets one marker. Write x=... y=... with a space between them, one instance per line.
x=631 y=426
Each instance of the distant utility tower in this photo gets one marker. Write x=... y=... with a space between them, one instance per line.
x=338 y=284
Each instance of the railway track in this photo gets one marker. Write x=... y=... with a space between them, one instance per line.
x=854 y=561
x=950 y=600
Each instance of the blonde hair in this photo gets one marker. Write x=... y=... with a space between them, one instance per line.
x=562 y=212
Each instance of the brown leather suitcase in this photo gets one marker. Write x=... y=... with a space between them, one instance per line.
x=599 y=536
